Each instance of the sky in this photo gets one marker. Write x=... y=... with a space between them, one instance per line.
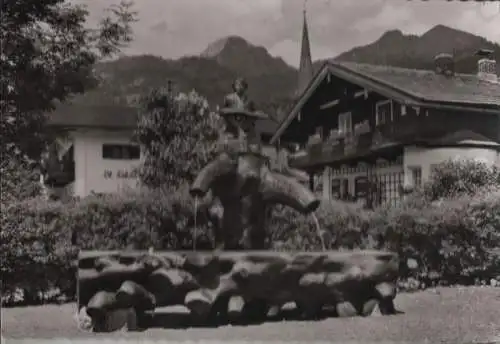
x=175 y=28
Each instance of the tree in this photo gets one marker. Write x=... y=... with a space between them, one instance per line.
x=179 y=134
x=47 y=56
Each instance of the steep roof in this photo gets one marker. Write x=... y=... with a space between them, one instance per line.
x=428 y=85
x=116 y=117
x=409 y=86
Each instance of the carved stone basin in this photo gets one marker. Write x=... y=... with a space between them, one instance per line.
x=232 y=285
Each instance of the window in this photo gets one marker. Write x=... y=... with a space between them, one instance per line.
x=403 y=110
x=345 y=123
x=121 y=152
x=383 y=112
x=387 y=187
x=336 y=188
x=344 y=188
x=416 y=175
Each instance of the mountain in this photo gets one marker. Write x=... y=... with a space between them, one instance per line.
x=242 y=57
x=125 y=80
x=271 y=80
x=394 y=48
x=212 y=73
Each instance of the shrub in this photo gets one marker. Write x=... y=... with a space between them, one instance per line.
x=39 y=238
x=456 y=177
x=19 y=178
x=178 y=134
x=451 y=240
x=36 y=252
x=136 y=220
x=341 y=224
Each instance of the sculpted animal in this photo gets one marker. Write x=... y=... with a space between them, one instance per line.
x=242 y=182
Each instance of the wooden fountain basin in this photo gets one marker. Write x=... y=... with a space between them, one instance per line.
x=116 y=287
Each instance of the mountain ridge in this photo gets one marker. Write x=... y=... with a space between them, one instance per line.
x=417 y=52
x=272 y=81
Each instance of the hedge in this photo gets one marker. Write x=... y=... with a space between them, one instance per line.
x=40 y=239
x=451 y=239
x=457 y=177
x=35 y=250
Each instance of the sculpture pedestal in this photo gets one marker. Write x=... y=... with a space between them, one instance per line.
x=234 y=286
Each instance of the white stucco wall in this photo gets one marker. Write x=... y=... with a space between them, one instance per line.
x=427 y=157
x=414 y=156
x=90 y=165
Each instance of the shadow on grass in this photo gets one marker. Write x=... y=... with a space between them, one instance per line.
x=169 y=320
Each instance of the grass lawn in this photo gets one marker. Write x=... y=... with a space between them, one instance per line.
x=444 y=315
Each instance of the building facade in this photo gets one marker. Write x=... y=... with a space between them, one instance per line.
x=369 y=132
x=98 y=154
x=95 y=153
x=363 y=132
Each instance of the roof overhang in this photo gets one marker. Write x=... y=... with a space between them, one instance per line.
x=389 y=91
x=71 y=127
x=71 y=116
x=461 y=144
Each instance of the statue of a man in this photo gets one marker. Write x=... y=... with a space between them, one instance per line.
x=239 y=137
x=240 y=115
x=239 y=100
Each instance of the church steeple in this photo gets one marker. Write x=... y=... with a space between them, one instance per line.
x=305 y=66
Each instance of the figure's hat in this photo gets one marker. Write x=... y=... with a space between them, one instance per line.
x=241 y=112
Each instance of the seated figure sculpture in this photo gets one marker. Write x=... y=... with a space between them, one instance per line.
x=240 y=179
x=239 y=114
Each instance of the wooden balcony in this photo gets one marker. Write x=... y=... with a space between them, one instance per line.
x=349 y=147
x=319 y=153
x=368 y=141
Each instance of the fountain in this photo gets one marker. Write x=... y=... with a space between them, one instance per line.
x=239 y=280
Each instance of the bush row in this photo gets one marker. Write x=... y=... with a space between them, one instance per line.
x=450 y=238
x=40 y=239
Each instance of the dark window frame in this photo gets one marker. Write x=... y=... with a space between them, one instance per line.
x=118 y=151
x=382 y=114
x=345 y=126
x=416 y=175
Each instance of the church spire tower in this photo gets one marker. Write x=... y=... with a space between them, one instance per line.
x=305 y=66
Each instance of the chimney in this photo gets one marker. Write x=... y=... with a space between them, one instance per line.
x=444 y=64
x=486 y=66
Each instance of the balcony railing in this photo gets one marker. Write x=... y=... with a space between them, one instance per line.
x=318 y=153
x=360 y=142
x=334 y=149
